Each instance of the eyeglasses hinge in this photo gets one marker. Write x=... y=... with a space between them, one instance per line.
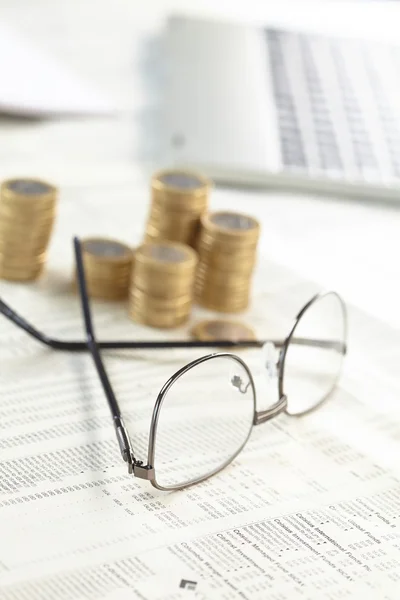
x=143 y=471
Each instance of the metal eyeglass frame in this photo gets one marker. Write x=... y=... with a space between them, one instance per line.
x=137 y=467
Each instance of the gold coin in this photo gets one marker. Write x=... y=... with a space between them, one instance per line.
x=222 y=302
x=233 y=331
x=223 y=283
x=21 y=262
x=236 y=249
x=173 y=232
x=27 y=188
x=186 y=233
x=212 y=271
x=149 y=309
x=19 y=266
x=222 y=298
x=220 y=237
x=153 y=280
x=172 y=272
x=159 y=288
x=178 y=199
x=176 y=215
x=223 y=307
x=150 y=274
x=24 y=199
x=167 y=317
x=20 y=274
x=107 y=281
x=27 y=212
x=225 y=263
x=222 y=276
x=111 y=293
x=239 y=251
x=108 y=264
x=222 y=287
x=158 y=303
x=227 y=246
x=167 y=226
x=24 y=239
x=159 y=319
x=179 y=182
x=108 y=250
x=171 y=256
x=228 y=225
x=160 y=211
x=19 y=217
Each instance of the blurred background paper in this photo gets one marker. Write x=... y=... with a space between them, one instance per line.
x=25 y=73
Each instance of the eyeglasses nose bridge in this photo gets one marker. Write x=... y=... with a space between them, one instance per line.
x=269 y=413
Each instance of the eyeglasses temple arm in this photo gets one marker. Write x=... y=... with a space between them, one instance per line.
x=20 y=322
x=74 y=346
x=340 y=347
x=121 y=431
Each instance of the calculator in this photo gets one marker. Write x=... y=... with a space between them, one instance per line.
x=283 y=108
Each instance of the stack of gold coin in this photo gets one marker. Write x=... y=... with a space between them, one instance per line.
x=108 y=265
x=227 y=249
x=27 y=212
x=162 y=284
x=178 y=200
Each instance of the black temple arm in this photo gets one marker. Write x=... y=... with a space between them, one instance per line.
x=22 y=323
x=121 y=431
x=82 y=346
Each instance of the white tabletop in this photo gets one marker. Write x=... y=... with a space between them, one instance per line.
x=347 y=245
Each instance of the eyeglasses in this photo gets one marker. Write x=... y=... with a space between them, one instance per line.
x=204 y=414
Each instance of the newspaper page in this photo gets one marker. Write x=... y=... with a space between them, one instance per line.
x=309 y=509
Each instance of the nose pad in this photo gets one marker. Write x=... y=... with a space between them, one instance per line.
x=270 y=371
x=270 y=354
